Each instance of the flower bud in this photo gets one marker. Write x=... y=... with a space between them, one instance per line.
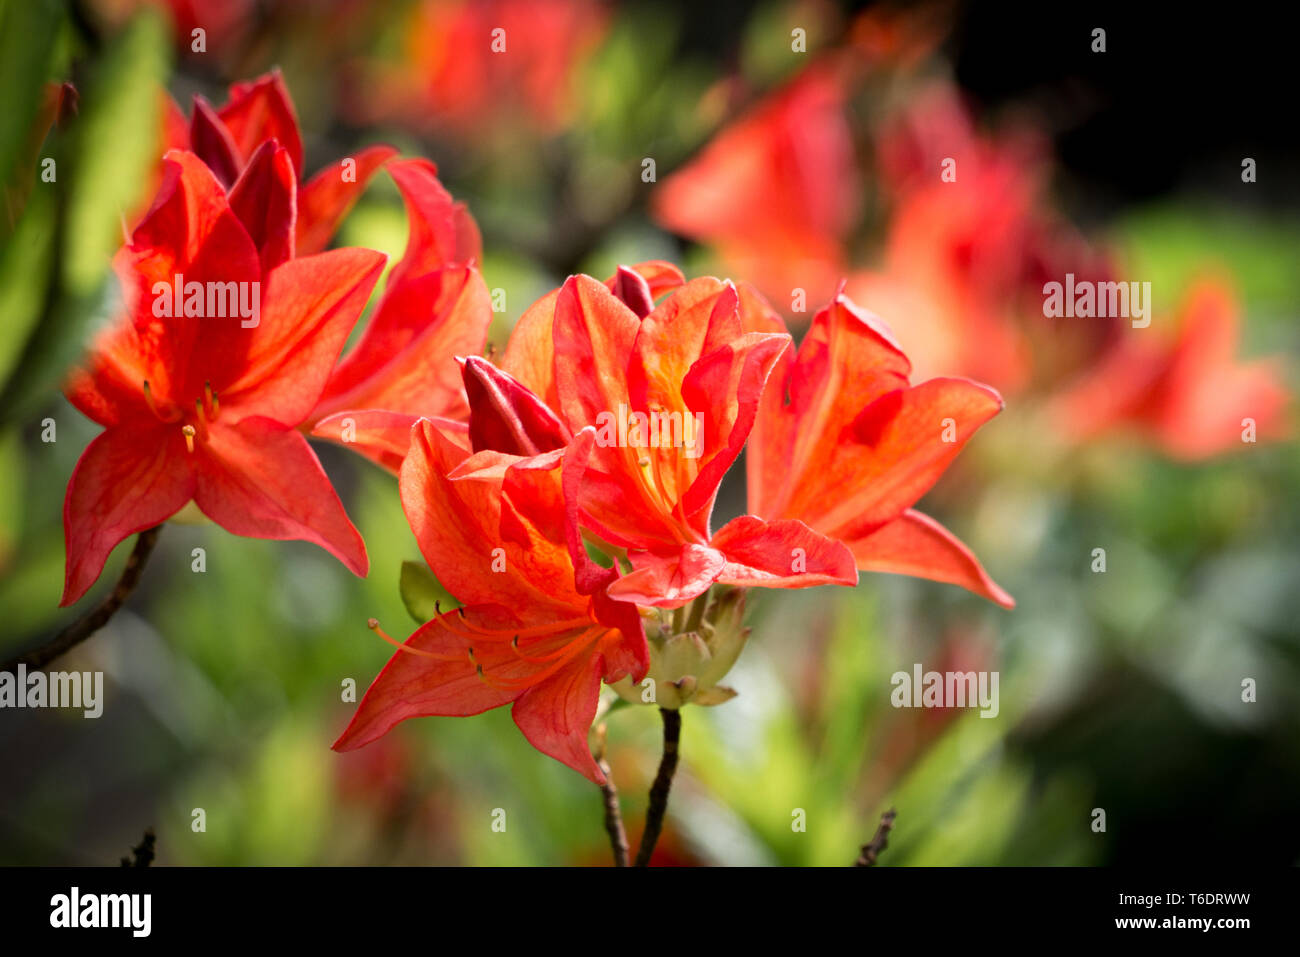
x=686 y=667
x=506 y=416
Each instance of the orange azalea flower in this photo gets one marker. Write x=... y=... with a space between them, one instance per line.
x=846 y=443
x=1188 y=393
x=600 y=360
x=203 y=406
x=537 y=630
x=776 y=192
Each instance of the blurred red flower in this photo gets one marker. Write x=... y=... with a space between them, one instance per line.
x=466 y=64
x=1187 y=392
x=776 y=192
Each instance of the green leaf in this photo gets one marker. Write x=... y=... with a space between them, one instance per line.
x=102 y=163
x=11 y=497
x=24 y=266
x=28 y=32
x=421 y=592
x=117 y=145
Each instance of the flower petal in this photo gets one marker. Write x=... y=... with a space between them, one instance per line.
x=593 y=336
x=418 y=686
x=458 y=525
x=309 y=307
x=383 y=437
x=781 y=554
x=915 y=544
x=260 y=110
x=440 y=232
x=405 y=360
x=667 y=580
x=326 y=198
x=260 y=479
x=190 y=231
x=530 y=352
x=265 y=200
x=506 y=416
x=129 y=478
x=891 y=454
x=556 y=715
x=724 y=388
x=848 y=359
x=212 y=143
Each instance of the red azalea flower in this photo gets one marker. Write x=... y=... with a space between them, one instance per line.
x=434 y=308
x=966 y=256
x=536 y=630
x=776 y=192
x=600 y=360
x=847 y=444
x=1188 y=393
x=457 y=74
x=259 y=110
x=201 y=408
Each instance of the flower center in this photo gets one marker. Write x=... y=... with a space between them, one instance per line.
x=207 y=408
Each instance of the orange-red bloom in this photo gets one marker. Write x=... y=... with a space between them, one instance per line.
x=200 y=404
x=693 y=375
x=847 y=444
x=536 y=631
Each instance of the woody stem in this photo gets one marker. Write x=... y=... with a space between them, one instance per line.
x=613 y=814
x=871 y=851
x=654 y=820
x=87 y=625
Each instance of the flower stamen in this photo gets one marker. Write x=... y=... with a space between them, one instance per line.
x=153 y=406
x=570 y=651
x=211 y=403
x=474 y=632
x=373 y=625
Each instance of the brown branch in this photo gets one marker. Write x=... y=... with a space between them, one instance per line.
x=613 y=815
x=878 y=843
x=84 y=627
x=142 y=854
x=654 y=820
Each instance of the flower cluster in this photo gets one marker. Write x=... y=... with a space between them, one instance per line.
x=563 y=495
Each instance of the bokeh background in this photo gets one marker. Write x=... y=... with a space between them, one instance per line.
x=1119 y=690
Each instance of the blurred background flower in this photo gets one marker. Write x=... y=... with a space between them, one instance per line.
x=791 y=144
